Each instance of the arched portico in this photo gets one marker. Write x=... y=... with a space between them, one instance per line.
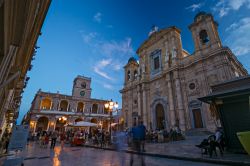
x=80 y=107
x=42 y=123
x=60 y=123
x=93 y=120
x=78 y=119
x=64 y=104
x=159 y=114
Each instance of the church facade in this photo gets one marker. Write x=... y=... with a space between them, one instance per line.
x=163 y=87
x=51 y=111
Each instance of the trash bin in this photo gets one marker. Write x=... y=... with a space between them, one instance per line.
x=244 y=138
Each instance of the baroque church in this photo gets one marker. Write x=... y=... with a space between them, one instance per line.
x=163 y=87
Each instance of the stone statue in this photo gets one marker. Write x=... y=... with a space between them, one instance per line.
x=143 y=67
x=166 y=56
x=174 y=52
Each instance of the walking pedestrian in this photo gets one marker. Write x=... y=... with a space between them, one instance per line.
x=102 y=139
x=53 y=139
x=121 y=145
x=136 y=144
x=62 y=139
x=142 y=136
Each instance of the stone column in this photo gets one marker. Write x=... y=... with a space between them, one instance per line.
x=68 y=106
x=144 y=102
x=171 y=103
x=34 y=129
x=55 y=102
x=59 y=105
x=48 y=126
x=180 y=104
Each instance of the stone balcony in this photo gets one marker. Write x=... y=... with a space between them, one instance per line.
x=69 y=113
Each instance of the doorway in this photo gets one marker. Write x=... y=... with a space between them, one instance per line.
x=197 y=118
x=159 y=112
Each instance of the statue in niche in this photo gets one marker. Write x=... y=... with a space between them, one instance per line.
x=174 y=52
x=166 y=56
x=143 y=67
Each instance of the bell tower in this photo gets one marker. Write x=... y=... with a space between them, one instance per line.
x=205 y=32
x=131 y=71
x=81 y=87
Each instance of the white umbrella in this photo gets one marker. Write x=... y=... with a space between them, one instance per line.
x=84 y=124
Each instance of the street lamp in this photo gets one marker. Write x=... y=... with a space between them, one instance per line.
x=110 y=106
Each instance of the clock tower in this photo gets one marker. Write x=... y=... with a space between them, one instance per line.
x=81 y=87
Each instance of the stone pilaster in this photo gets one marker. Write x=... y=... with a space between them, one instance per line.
x=144 y=101
x=171 y=104
x=180 y=104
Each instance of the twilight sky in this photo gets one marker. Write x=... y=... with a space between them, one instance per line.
x=95 y=38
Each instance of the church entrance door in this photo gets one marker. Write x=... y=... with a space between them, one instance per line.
x=197 y=118
x=160 y=120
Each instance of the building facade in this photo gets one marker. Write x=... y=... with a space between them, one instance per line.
x=51 y=111
x=20 y=27
x=162 y=88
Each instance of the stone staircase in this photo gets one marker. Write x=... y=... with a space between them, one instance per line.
x=198 y=132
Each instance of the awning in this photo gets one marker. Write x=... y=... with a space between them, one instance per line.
x=224 y=94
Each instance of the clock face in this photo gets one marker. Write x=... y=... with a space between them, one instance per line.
x=82 y=93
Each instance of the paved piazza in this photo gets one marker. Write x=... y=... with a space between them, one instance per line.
x=74 y=156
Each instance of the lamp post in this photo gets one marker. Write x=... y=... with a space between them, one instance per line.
x=110 y=106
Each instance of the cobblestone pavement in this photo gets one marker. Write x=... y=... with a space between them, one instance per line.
x=82 y=156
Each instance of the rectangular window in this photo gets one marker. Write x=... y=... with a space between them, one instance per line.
x=156 y=63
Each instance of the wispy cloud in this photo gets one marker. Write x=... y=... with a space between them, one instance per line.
x=240 y=45
x=117 y=48
x=195 y=7
x=109 y=56
x=108 y=86
x=87 y=38
x=100 y=66
x=223 y=7
x=98 y=17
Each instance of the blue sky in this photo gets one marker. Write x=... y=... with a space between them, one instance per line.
x=95 y=38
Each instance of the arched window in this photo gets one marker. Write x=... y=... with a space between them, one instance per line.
x=64 y=105
x=204 y=36
x=80 y=107
x=135 y=74
x=46 y=104
x=128 y=75
x=94 y=108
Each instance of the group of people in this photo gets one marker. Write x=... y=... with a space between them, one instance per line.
x=213 y=141
x=95 y=137
x=174 y=134
x=43 y=138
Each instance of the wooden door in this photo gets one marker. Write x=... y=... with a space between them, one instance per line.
x=197 y=118
x=159 y=117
